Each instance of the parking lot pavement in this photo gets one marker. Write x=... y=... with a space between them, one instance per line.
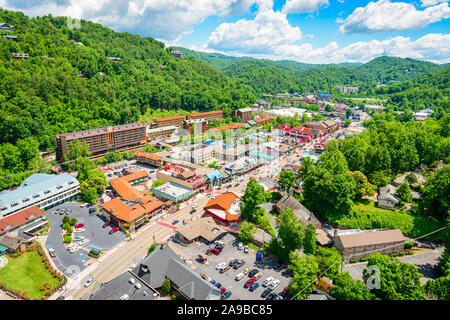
x=94 y=231
x=227 y=279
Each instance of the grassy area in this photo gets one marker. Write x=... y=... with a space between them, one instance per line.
x=27 y=273
x=366 y=216
x=152 y=114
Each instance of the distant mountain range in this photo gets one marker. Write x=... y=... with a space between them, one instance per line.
x=265 y=75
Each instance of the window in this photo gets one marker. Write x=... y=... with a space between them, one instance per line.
x=14 y=204
x=70 y=182
x=47 y=192
x=36 y=196
x=59 y=187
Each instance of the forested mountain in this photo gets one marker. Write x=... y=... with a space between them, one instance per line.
x=431 y=90
x=267 y=76
x=65 y=87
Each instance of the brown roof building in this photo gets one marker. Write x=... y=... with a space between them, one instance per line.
x=148 y=158
x=200 y=229
x=363 y=244
x=101 y=141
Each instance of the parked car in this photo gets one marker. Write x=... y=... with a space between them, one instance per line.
x=285 y=292
x=226 y=295
x=252 y=273
x=80 y=225
x=78 y=238
x=254 y=286
x=257 y=276
x=84 y=241
x=92 y=210
x=246 y=270
x=239 y=276
x=271 y=296
x=239 y=264
x=218 y=285
x=274 y=284
x=249 y=283
x=225 y=269
x=245 y=249
x=219 y=246
x=204 y=276
x=222 y=291
x=174 y=222
x=68 y=211
x=268 y=281
x=215 y=251
x=213 y=281
x=240 y=246
x=265 y=292
x=220 y=265
x=113 y=230
x=89 y=281
x=233 y=262
x=83 y=205
x=278 y=298
x=107 y=224
x=79 y=230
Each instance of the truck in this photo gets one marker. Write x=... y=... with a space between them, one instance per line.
x=258 y=255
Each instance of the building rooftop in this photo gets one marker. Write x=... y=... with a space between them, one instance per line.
x=127 y=286
x=202 y=227
x=173 y=191
x=34 y=189
x=20 y=218
x=371 y=238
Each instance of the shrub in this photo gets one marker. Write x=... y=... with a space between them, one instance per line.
x=67 y=239
x=401 y=253
x=363 y=259
x=353 y=261
x=408 y=245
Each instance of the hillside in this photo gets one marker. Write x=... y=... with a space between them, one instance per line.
x=431 y=90
x=65 y=87
x=265 y=76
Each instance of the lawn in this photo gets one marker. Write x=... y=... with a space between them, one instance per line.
x=27 y=273
x=365 y=215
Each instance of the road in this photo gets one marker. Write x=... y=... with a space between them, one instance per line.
x=123 y=258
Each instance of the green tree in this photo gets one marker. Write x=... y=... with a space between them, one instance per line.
x=290 y=231
x=166 y=285
x=310 y=239
x=287 y=180
x=73 y=221
x=156 y=184
x=329 y=260
x=305 y=270
x=438 y=289
x=78 y=149
x=363 y=186
x=88 y=193
x=152 y=247
x=246 y=231
x=347 y=288
x=398 y=280
x=436 y=193
x=404 y=192
x=412 y=178
x=253 y=197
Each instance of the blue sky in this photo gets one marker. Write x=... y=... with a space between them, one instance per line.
x=312 y=31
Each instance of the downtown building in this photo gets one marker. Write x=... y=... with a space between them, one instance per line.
x=128 y=137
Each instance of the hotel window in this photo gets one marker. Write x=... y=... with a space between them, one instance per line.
x=26 y=200
x=59 y=187
x=36 y=196
x=47 y=192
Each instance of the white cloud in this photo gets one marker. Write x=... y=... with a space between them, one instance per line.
x=164 y=19
x=426 y=3
x=266 y=31
x=383 y=16
x=300 y=6
x=431 y=47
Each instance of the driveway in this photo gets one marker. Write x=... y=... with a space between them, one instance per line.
x=98 y=236
x=227 y=279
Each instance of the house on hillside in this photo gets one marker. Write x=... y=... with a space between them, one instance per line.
x=387 y=198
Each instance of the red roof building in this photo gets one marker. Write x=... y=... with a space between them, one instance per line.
x=224 y=208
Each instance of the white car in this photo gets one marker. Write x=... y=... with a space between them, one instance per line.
x=268 y=281
x=220 y=265
x=83 y=205
x=239 y=276
x=89 y=281
x=84 y=241
x=274 y=284
x=78 y=230
x=240 y=246
x=195 y=205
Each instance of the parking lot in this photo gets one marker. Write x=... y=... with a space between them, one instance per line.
x=227 y=279
x=93 y=231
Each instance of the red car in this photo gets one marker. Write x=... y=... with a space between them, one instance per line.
x=222 y=291
x=80 y=225
x=284 y=292
x=107 y=224
x=113 y=230
x=249 y=282
x=215 y=251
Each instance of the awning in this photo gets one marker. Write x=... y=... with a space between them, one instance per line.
x=3 y=248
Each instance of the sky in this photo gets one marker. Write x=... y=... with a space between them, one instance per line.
x=310 y=31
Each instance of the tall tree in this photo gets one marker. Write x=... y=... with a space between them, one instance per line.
x=310 y=239
x=347 y=288
x=305 y=270
x=287 y=180
x=290 y=230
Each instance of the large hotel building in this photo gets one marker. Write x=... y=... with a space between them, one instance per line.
x=179 y=120
x=128 y=137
